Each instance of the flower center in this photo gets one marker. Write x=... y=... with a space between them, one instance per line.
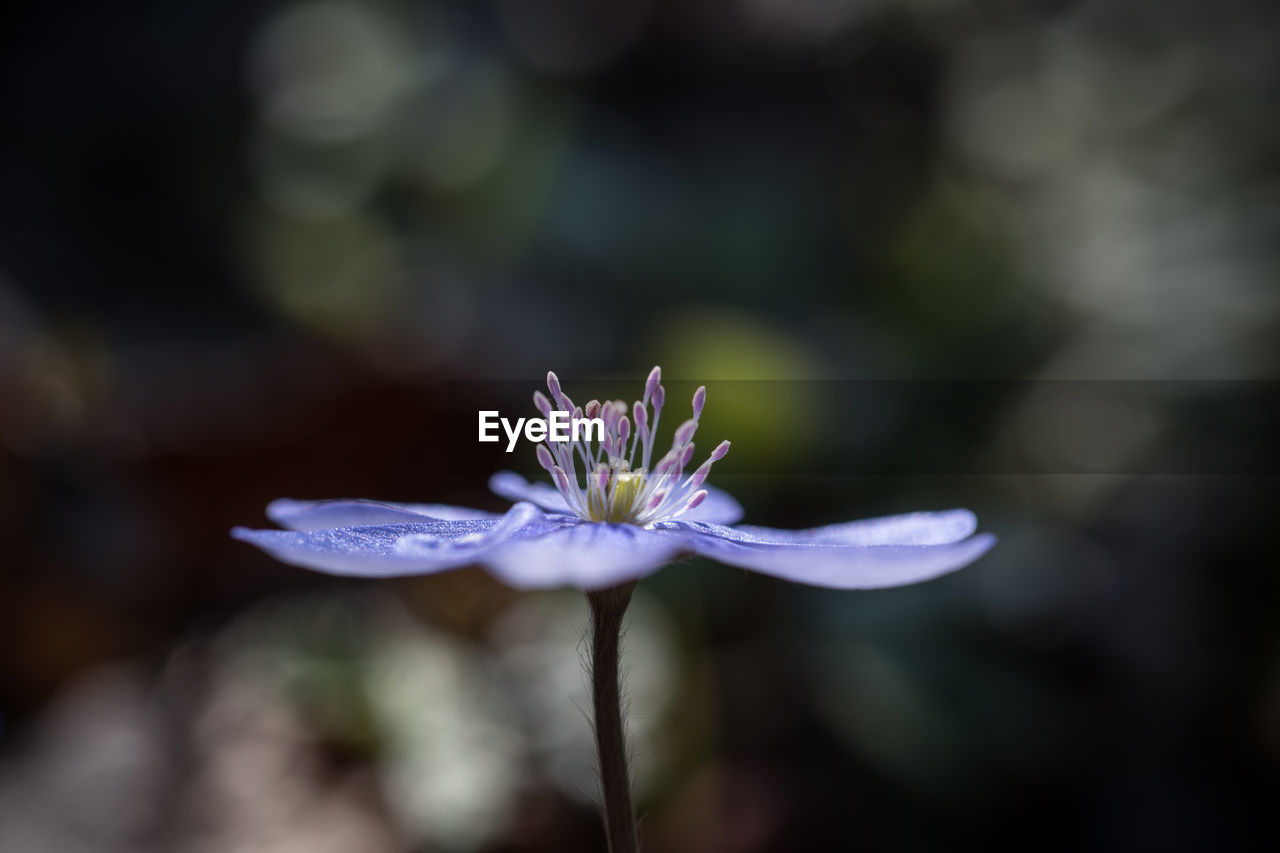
x=613 y=490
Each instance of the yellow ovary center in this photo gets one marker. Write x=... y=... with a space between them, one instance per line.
x=619 y=502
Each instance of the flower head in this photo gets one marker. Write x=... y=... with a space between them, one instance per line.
x=614 y=489
x=623 y=516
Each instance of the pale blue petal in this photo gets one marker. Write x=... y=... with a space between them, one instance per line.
x=403 y=548
x=585 y=554
x=718 y=507
x=513 y=487
x=916 y=528
x=319 y=515
x=834 y=565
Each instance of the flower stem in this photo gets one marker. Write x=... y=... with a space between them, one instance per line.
x=607 y=607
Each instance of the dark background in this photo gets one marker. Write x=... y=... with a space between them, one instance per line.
x=246 y=247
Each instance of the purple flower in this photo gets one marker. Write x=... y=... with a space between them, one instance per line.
x=614 y=523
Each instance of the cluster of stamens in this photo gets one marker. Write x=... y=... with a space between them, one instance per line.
x=613 y=489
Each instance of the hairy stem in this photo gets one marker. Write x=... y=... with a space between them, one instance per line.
x=607 y=607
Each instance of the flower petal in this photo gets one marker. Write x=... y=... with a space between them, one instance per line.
x=403 y=548
x=319 y=515
x=828 y=564
x=718 y=507
x=915 y=528
x=513 y=487
x=588 y=555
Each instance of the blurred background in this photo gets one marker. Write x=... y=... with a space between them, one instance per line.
x=1027 y=250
